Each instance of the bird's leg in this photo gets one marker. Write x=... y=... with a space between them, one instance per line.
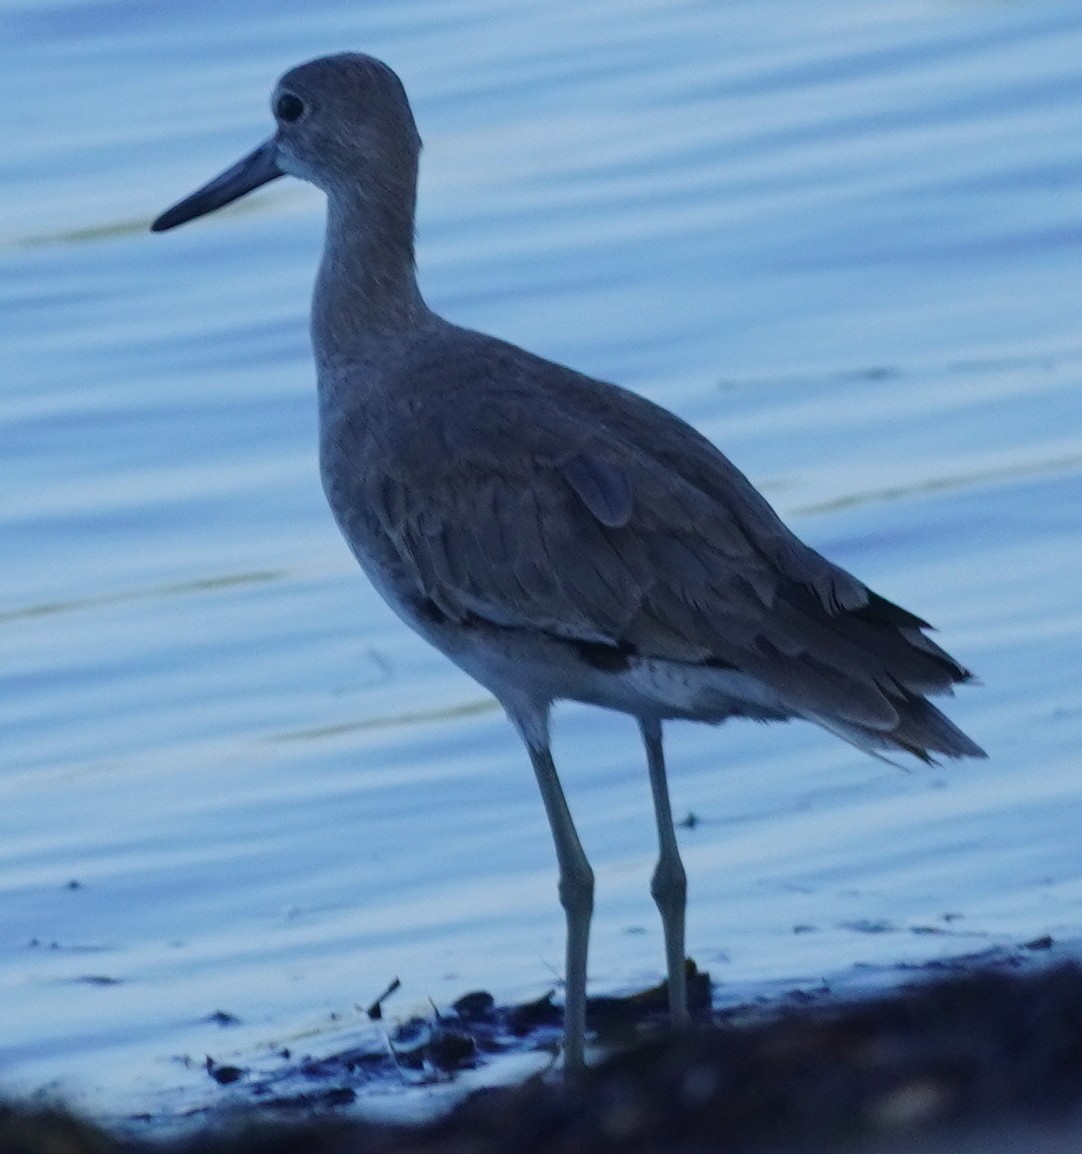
x=669 y=885
x=576 y=885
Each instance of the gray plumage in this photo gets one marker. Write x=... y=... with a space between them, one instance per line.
x=556 y=536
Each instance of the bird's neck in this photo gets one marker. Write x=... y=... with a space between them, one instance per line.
x=366 y=291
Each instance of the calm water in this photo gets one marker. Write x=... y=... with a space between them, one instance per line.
x=844 y=239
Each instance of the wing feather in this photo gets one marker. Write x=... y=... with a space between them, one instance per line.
x=583 y=511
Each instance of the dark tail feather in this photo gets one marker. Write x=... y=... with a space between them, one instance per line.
x=924 y=730
x=921 y=731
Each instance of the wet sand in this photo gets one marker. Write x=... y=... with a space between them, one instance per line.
x=983 y=1060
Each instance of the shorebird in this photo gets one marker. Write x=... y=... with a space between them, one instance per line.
x=558 y=537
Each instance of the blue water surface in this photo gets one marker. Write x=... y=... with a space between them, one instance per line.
x=843 y=239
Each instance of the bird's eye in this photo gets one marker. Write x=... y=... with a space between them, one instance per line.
x=289 y=107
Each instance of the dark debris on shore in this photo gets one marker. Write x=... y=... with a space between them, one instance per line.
x=988 y=1061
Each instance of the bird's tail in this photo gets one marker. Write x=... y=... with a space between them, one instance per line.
x=922 y=731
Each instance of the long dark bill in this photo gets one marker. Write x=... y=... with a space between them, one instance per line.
x=258 y=167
